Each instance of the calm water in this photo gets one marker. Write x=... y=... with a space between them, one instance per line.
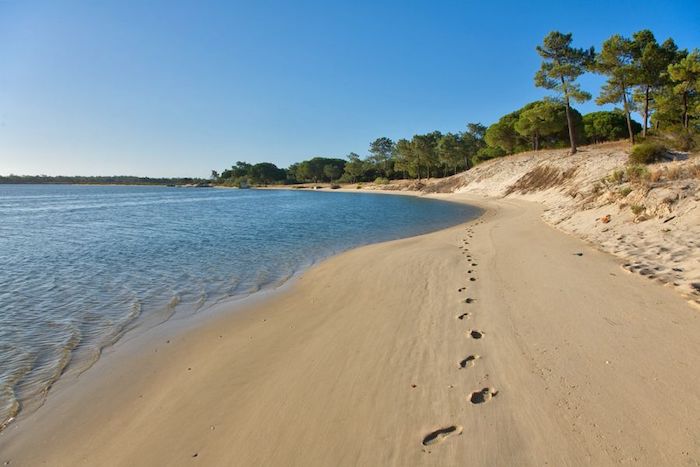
x=80 y=265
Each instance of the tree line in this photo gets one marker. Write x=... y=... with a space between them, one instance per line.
x=98 y=180
x=658 y=80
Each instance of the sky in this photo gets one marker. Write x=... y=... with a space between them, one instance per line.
x=178 y=88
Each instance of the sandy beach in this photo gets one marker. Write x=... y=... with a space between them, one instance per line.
x=502 y=341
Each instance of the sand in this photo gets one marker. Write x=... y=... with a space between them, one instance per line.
x=547 y=353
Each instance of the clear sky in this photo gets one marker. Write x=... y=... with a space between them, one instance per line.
x=177 y=88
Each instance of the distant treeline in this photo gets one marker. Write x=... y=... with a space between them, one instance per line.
x=658 y=80
x=114 y=180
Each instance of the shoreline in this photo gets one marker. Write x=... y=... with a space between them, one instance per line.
x=360 y=359
x=81 y=361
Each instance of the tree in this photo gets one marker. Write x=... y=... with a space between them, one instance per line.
x=502 y=134
x=606 y=126
x=542 y=119
x=450 y=151
x=472 y=141
x=405 y=161
x=686 y=78
x=424 y=150
x=650 y=62
x=561 y=65
x=615 y=62
x=266 y=173
x=214 y=175
x=381 y=150
x=332 y=171
x=355 y=168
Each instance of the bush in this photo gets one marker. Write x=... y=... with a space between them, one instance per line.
x=618 y=177
x=637 y=209
x=625 y=191
x=647 y=153
x=334 y=186
x=358 y=187
x=637 y=172
x=381 y=181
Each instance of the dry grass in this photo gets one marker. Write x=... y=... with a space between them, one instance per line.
x=541 y=178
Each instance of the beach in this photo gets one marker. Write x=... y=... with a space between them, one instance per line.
x=502 y=341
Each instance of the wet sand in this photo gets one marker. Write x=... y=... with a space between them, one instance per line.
x=498 y=342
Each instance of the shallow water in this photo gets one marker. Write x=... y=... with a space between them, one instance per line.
x=80 y=265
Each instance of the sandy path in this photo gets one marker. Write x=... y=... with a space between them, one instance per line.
x=592 y=366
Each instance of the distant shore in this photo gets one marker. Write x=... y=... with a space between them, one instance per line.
x=497 y=342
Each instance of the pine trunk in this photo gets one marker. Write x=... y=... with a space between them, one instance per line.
x=627 y=113
x=572 y=135
x=646 y=111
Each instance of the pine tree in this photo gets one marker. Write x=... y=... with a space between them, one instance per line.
x=650 y=61
x=561 y=65
x=686 y=78
x=615 y=61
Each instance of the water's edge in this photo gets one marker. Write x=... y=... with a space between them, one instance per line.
x=136 y=327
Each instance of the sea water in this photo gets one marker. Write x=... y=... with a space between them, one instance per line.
x=82 y=265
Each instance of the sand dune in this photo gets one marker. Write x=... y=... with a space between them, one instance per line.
x=498 y=342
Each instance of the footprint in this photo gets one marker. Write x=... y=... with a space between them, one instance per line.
x=469 y=362
x=461 y=289
x=485 y=395
x=474 y=264
x=472 y=279
x=474 y=334
x=438 y=436
x=469 y=300
x=464 y=316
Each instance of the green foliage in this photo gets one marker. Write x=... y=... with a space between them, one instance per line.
x=616 y=177
x=561 y=65
x=685 y=76
x=637 y=209
x=607 y=126
x=355 y=168
x=543 y=119
x=662 y=81
x=381 y=181
x=381 y=150
x=332 y=171
x=503 y=134
x=615 y=61
x=488 y=152
x=650 y=63
x=636 y=172
x=624 y=191
x=647 y=153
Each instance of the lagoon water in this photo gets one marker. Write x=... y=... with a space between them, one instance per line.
x=81 y=265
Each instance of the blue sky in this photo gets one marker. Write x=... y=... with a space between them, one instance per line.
x=177 y=88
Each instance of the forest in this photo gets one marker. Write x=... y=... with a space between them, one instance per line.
x=658 y=81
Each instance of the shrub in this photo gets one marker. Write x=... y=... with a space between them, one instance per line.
x=624 y=191
x=637 y=209
x=334 y=186
x=637 y=172
x=618 y=176
x=381 y=181
x=359 y=186
x=647 y=153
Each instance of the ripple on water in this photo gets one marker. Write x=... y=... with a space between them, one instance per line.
x=81 y=265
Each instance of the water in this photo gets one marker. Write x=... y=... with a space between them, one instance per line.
x=81 y=265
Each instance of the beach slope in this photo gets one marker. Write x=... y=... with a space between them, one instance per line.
x=498 y=342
